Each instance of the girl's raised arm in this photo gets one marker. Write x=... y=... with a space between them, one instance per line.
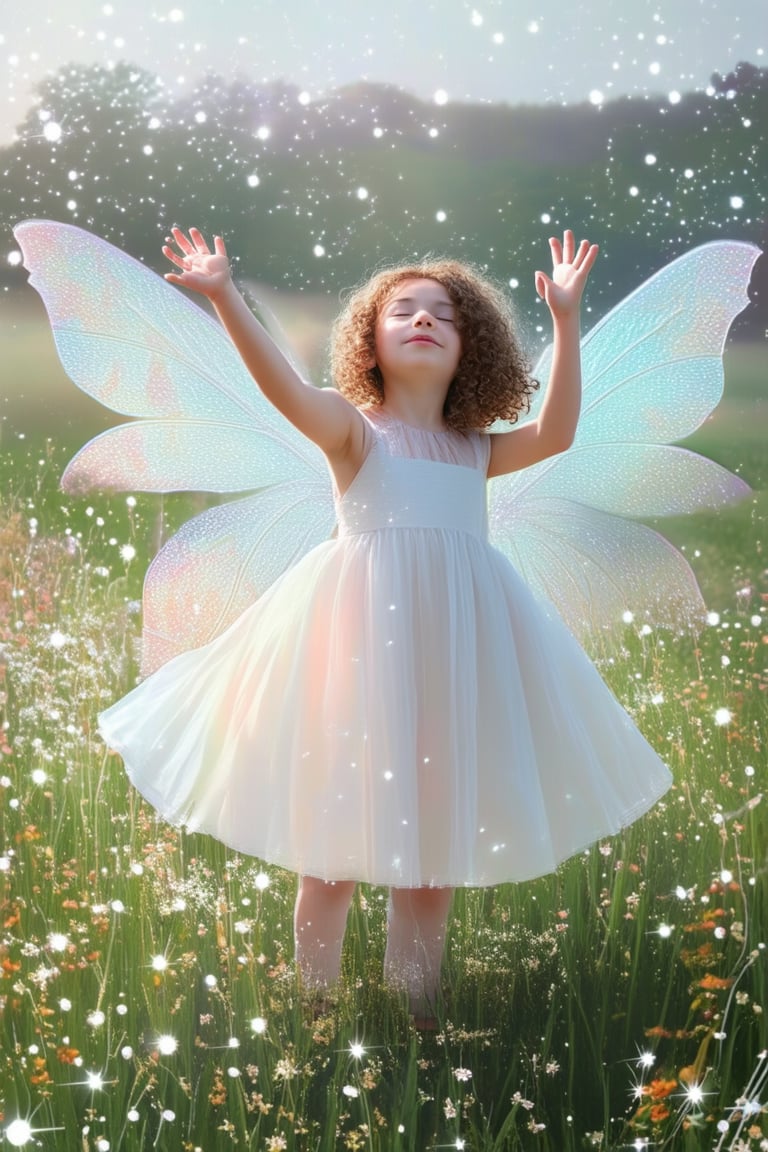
x=554 y=428
x=321 y=414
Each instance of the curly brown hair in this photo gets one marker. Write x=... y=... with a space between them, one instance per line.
x=493 y=380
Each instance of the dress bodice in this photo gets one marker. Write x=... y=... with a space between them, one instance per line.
x=414 y=478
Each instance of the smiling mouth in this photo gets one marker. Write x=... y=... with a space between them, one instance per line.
x=421 y=340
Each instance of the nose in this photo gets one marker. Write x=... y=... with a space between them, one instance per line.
x=423 y=319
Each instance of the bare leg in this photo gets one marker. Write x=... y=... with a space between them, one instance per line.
x=417 y=919
x=319 y=921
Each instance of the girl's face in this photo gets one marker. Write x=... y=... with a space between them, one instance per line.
x=416 y=332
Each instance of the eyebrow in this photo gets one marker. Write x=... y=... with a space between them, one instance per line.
x=444 y=303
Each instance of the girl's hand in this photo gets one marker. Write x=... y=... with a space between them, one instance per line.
x=570 y=269
x=201 y=270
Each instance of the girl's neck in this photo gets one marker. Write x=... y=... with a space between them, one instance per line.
x=424 y=412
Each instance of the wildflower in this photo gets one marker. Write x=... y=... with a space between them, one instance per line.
x=659 y=1088
x=463 y=1074
x=711 y=983
x=659 y=1112
x=276 y=1143
x=285 y=1069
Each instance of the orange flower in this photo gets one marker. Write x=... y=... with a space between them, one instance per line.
x=67 y=1055
x=659 y=1112
x=659 y=1089
x=712 y=983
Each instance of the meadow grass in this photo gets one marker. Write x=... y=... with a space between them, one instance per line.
x=148 y=996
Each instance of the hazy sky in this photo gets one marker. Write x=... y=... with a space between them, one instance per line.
x=498 y=50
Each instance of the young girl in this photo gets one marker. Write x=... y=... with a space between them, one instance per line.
x=397 y=708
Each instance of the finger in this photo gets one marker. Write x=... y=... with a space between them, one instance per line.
x=556 y=249
x=568 y=246
x=199 y=241
x=182 y=241
x=541 y=280
x=171 y=255
x=590 y=258
x=580 y=254
x=219 y=247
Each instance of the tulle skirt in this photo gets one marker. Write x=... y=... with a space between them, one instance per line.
x=397 y=709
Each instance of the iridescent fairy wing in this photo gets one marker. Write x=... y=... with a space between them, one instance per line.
x=134 y=342
x=652 y=372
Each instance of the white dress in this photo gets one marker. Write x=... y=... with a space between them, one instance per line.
x=397 y=708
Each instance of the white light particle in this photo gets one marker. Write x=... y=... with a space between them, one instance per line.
x=175 y=15
x=159 y=963
x=357 y=1050
x=168 y=1114
x=39 y=776
x=52 y=132
x=94 y=1081
x=65 y=1004
x=14 y=259
x=713 y=618
x=122 y=1009
x=441 y=96
x=476 y=18
x=154 y=123
x=378 y=133
x=726 y=876
x=95 y=1019
x=58 y=639
x=304 y=98
x=498 y=37
x=736 y=202
x=627 y=617
x=18 y=1133
x=233 y=1072
x=201 y=117
x=650 y=158
x=167 y=1045
x=127 y=552
x=694 y=1093
x=264 y=133
x=147 y=149
x=126 y=1052
x=58 y=942
x=664 y=931
x=211 y=981
x=674 y=97
x=253 y=180
x=132 y=1115
x=351 y=1091
x=441 y=216
x=596 y=97
x=362 y=193
x=258 y=1025
x=654 y=68
x=722 y=717
x=318 y=250
x=533 y=27
x=117 y=906
x=749 y=770
x=262 y=881
x=137 y=869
